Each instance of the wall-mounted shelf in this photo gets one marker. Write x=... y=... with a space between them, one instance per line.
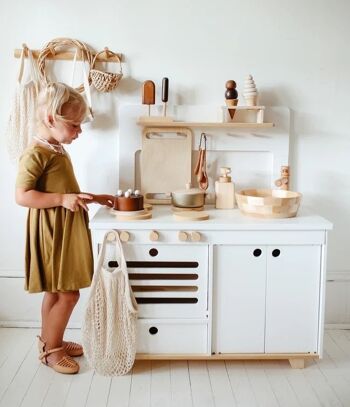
x=229 y=125
x=68 y=56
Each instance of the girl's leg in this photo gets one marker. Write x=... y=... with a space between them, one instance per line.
x=49 y=300
x=57 y=320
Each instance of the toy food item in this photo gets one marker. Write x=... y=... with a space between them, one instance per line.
x=231 y=96
x=129 y=201
x=148 y=94
x=250 y=92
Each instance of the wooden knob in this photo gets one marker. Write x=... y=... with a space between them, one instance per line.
x=124 y=236
x=182 y=236
x=154 y=236
x=195 y=236
x=111 y=237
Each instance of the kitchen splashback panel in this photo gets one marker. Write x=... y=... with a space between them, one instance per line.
x=255 y=155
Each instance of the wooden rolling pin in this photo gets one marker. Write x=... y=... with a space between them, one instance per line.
x=148 y=94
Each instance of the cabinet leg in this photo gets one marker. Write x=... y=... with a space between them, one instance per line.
x=297 y=363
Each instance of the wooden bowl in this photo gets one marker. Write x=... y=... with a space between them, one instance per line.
x=268 y=203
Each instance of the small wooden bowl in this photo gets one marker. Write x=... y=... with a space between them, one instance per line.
x=268 y=203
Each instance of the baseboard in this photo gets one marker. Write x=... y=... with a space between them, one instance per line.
x=32 y=324
x=337 y=326
x=338 y=276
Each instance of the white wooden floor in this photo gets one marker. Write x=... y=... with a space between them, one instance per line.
x=24 y=381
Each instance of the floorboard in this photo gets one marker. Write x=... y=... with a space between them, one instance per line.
x=26 y=382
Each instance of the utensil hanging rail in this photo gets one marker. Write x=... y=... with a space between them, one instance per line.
x=69 y=55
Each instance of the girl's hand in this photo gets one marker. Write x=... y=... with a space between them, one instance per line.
x=107 y=200
x=74 y=201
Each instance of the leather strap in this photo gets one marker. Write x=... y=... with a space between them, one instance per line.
x=48 y=352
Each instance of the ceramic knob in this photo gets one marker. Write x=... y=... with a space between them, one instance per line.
x=195 y=236
x=124 y=236
x=182 y=236
x=154 y=236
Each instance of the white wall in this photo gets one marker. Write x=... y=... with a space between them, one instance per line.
x=296 y=50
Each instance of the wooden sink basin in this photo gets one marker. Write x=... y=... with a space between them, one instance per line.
x=268 y=203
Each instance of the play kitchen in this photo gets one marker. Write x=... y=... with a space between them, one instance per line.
x=214 y=281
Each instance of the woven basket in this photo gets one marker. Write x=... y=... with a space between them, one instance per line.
x=67 y=43
x=105 y=81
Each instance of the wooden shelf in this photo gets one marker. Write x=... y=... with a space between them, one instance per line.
x=228 y=125
x=68 y=56
x=244 y=107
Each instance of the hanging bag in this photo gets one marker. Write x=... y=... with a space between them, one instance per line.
x=109 y=326
x=21 y=126
x=86 y=85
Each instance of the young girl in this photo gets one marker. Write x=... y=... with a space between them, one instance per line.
x=58 y=245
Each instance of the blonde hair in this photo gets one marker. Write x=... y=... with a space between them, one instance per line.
x=56 y=95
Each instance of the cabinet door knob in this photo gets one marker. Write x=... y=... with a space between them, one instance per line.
x=154 y=236
x=195 y=236
x=153 y=330
x=276 y=252
x=124 y=236
x=257 y=252
x=153 y=252
x=111 y=237
x=182 y=236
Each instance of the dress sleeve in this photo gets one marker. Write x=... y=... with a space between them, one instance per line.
x=31 y=166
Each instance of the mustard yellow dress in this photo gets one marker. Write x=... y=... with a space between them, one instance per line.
x=58 y=242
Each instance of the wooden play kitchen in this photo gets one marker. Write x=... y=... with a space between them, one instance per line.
x=228 y=286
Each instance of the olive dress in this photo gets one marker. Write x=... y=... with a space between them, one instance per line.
x=58 y=242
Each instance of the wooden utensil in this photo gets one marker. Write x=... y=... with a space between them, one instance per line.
x=203 y=177
x=200 y=168
x=148 y=94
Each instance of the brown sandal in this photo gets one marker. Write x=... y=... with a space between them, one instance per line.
x=66 y=365
x=71 y=348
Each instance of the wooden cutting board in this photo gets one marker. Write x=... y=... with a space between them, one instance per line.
x=165 y=162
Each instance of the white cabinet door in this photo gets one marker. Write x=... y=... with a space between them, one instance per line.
x=239 y=299
x=292 y=298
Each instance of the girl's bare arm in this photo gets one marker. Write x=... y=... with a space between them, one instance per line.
x=41 y=200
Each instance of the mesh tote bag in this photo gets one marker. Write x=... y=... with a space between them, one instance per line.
x=21 y=126
x=109 y=326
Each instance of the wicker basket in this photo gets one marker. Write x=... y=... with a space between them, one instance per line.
x=65 y=43
x=105 y=81
x=268 y=203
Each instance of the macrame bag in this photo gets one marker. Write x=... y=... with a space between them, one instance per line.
x=21 y=126
x=109 y=326
x=86 y=86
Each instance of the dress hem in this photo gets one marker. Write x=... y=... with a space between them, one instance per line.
x=57 y=291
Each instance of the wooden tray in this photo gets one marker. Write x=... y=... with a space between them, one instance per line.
x=132 y=215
